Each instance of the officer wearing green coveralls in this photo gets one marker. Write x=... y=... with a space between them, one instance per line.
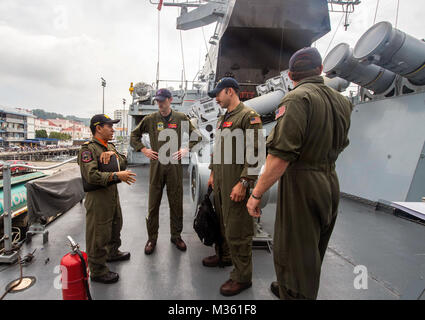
x=311 y=131
x=103 y=210
x=165 y=129
x=231 y=179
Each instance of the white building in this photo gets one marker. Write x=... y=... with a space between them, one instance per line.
x=63 y=123
x=16 y=126
x=49 y=126
x=122 y=126
x=85 y=131
x=77 y=130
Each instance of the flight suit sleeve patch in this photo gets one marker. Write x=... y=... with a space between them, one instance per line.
x=86 y=156
x=255 y=120
x=280 y=112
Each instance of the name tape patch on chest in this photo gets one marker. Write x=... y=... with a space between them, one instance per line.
x=227 y=124
x=280 y=112
x=86 y=156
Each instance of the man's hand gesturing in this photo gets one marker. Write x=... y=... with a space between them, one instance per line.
x=126 y=176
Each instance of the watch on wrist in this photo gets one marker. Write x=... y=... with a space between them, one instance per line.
x=255 y=197
x=244 y=182
x=115 y=177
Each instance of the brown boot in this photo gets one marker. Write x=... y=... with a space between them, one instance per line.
x=150 y=246
x=110 y=277
x=179 y=244
x=232 y=288
x=119 y=256
x=214 y=261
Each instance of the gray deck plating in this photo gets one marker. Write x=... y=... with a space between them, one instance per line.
x=392 y=249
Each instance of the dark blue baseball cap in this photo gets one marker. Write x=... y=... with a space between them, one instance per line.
x=223 y=83
x=305 y=59
x=162 y=94
x=100 y=119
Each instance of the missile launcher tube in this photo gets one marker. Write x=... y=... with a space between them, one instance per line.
x=341 y=62
x=393 y=50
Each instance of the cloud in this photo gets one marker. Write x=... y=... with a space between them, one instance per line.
x=53 y=52
x=46 y=58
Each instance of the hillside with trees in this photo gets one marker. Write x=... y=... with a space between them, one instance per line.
x=40 y=113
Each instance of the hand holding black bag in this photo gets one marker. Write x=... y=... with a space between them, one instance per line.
x=207 y=224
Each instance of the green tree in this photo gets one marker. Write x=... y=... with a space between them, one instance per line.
x=65 y=136
x=59 y=136
x=41 y=133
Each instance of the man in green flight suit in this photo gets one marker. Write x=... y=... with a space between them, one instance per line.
x=233 y=171
x=165 y=129
x=311 y=131
x=103 y=210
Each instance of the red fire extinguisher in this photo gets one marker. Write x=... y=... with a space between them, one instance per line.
x=75 y=273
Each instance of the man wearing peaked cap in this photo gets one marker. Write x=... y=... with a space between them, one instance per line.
x=312 y=123
x=102 y=167
x=231 y=183
x=226 y=82
x=164 y=173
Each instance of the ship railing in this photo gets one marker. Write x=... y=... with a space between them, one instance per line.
x=8 y=253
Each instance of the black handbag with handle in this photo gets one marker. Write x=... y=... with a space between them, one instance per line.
x=207 y=225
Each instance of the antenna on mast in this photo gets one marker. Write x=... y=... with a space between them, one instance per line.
x=344 y=6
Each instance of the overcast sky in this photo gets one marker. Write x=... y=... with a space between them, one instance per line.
x=53 y=52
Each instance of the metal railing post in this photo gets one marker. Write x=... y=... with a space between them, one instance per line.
x=8 y=256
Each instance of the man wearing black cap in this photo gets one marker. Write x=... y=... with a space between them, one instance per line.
x=163 y=171
x=103 y=217
x=231 y=180
x=311 y=131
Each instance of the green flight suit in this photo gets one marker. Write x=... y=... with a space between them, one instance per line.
x=237 y=223
x=103 y=210
x=160 y=174
x=311 y=131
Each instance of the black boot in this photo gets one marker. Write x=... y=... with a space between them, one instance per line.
x=274 y=287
